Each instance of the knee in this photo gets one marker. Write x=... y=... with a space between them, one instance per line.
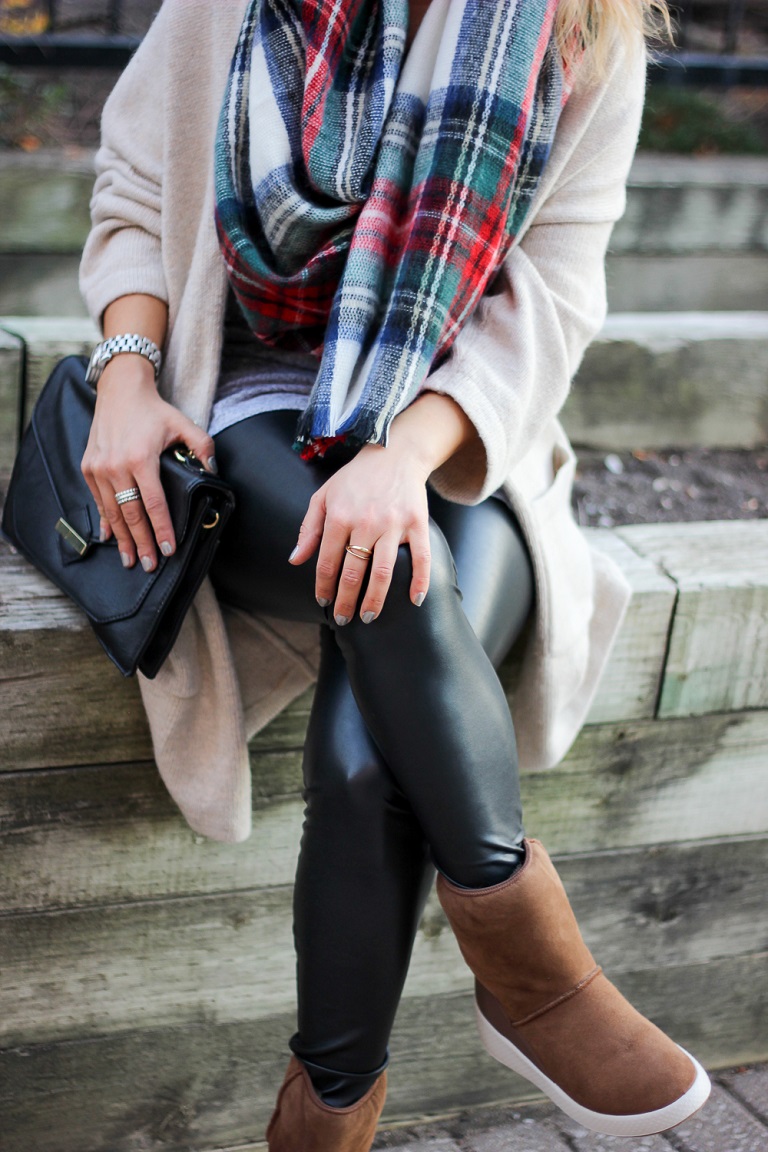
x=345 y=778
x=442 y=570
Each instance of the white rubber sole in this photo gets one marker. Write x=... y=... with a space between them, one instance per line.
x=640 y=1124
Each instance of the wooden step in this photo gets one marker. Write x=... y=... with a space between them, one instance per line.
x=675 y=204
x=40 y=284
x=691 y=641
x=650 y=380
x=151 y=964
x=170 y=1020
x=678 y=379
x=213 y=1085
x=46 y=339
x=45 y=197
x=29 y=349
x=43 y=637
x=718 y=644
x=47 y=646
x=680 y=204
x=11 y=359
x=108 y=833
x=694 y=233
x=659 y=282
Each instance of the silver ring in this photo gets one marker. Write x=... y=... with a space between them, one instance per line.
x=127 y=495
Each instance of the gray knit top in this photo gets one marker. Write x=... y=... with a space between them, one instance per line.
x=254 y=378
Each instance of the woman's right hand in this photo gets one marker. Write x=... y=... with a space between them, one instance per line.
x=132 y=425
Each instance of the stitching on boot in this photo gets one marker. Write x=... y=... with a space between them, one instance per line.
x=582 y=984
x=290 y=1076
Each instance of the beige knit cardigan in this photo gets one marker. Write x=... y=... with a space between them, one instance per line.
x=510 y=369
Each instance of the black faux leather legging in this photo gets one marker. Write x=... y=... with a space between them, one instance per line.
x=410 y=754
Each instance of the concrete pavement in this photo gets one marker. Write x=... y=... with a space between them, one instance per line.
x=734 y=1119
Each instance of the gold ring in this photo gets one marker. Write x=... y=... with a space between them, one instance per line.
x=359 y=551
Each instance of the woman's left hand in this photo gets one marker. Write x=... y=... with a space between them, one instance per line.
x=377 y=500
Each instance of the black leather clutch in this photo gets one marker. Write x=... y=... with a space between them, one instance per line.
x=50 y=516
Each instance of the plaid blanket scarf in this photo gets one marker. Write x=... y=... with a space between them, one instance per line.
x=363 y=203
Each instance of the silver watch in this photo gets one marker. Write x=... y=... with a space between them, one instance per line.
x=103 y=353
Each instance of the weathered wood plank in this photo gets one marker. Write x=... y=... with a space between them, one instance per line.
x=703 y=281
x=40 y=284
x=705 y=371
x=11 y=354
x=627 y=780
x=110 y=833
x=630 y=683
x=45 y=200
x=46 y=722
x=682 y=204
x=42 y=637
x=718 y=649
x=47 y=339
x=230 y=956
x=91 y=836
x=212 y=1084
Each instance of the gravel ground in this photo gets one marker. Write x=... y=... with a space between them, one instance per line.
x=644 y=487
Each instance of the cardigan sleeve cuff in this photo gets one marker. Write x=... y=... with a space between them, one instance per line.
x=479 y=468
x=125 y=262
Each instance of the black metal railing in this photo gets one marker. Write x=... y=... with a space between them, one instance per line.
x=709 y=44
x=72 y=33
x=111 y=18
x=727 y=19
x=104 y=34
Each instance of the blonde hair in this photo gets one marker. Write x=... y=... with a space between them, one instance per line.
x=586 y=29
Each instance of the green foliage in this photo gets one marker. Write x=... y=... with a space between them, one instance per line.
x=27 y=101
x=685 y=120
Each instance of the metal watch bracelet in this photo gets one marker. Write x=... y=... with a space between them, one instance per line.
x=103 y=353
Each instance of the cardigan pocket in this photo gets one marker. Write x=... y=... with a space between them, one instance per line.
x=566 y=584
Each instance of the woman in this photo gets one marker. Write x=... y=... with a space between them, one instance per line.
x=392 y=220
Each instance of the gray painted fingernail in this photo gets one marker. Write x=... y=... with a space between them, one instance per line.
x=212 y=464
x=419 y=599
x=368 y=617
x=322 y=601
x=292 y=555
x=342 y=620
x=102 y=534
x=125 y=559
x=147 y=563
x=166 y=548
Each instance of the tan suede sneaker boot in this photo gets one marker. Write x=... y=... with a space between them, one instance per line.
x=545 y=1009
x=303 y=1123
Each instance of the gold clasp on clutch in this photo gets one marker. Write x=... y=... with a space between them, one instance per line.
x=213 y=522
x=74 y=539
x=187 y=457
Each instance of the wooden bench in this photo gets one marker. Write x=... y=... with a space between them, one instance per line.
x=650 y=380
x=147 y=987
